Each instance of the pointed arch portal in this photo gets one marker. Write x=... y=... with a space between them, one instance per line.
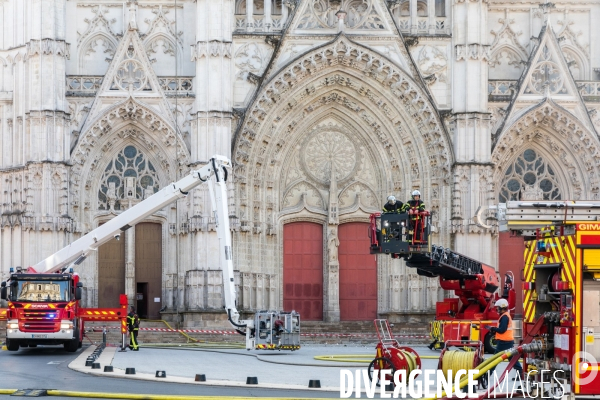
x=287 y=145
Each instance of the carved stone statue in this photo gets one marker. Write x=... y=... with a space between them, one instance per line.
x=132 y=7
x=111 y=195
x=532 y=192
x=149 y=191
x=332 y=245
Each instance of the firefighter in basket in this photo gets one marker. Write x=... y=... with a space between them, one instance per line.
x=393 y=205
x=413 y=207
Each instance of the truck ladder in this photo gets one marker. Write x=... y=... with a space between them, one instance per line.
x=445 y=263
x=531 y=215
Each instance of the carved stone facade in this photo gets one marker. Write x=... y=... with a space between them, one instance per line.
x=325 y=108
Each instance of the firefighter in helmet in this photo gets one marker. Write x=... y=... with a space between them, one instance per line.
x=133 y=325
x=413 y=207
x=392 y=205
x=504 y=333
x=415 y=203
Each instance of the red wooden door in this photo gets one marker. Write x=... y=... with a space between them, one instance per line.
x=303 y=269
x=511 y=250
x=358 y=274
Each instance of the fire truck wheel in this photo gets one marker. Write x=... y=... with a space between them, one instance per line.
x=386 y=363
x=489 y=343
x=12 y=345
x=483 y=381
x=72 y=345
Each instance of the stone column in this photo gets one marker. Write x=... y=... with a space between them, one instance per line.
x=332 y=289
x=130 y=288
x=332 y=270
x=431 y=16
x=267 y=21
x=211 y=128
x=413 y=16
x=44 y=103
x=472 y=141
x=250 y=15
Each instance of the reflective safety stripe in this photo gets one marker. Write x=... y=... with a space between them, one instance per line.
x=508 y=335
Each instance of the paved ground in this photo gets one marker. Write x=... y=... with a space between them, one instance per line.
x=277 y=370
x=280 y=374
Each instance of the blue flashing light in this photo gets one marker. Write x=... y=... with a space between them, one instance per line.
x=541 y=246
x=11 y=270
x=51 y=315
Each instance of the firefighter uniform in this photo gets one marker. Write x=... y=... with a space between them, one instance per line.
x=505 y=339
x=414 y=205
x=133 y=325
x=393 y=208
x=418 y=205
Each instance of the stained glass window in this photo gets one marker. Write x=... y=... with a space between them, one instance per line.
x=529 y=177
x=129 y=175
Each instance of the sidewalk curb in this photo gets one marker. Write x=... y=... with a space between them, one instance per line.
x=108 y=354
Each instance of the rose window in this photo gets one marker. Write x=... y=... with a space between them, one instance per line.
x=129 y=175
x=529 y=177
x=327 y=151
x=546 y=74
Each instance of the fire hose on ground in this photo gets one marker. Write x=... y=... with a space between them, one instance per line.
x=492 y=362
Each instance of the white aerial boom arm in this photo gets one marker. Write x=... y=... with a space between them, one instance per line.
x=77 y=251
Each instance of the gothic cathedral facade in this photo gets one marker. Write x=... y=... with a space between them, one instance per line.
x=325 y=107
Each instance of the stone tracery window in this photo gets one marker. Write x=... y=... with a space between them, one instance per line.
x=529 y=177
x=129 y=175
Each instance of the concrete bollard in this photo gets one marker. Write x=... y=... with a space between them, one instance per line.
x=88 y=363
x=161 y=374
x=314 y=383
x=252 y=380
x=129 y=371
x=200 y=378
x=95 y=365
x=108 y=368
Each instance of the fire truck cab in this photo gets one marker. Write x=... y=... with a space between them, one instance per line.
x=43 y=310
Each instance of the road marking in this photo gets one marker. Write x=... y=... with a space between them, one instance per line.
x=54 y=362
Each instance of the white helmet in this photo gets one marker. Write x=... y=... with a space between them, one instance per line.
x=416 y=193
x=391 y=199
x=502 y=303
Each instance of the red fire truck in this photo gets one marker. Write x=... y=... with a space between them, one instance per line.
x=473 y=282
x=43 y=302
x=561 y=291
x=44 y=309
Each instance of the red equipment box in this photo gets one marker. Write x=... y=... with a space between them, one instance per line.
x=446 y=309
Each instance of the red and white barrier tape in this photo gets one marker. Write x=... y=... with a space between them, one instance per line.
x=205 y=331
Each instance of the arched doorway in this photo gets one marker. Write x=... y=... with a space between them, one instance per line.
x=148 y=269
x=111 y=272
x=303 y=269
x=358 y=274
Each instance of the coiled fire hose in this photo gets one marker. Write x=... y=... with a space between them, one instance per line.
x=483 y=368
x=457 y=360
x=411 y=361
x=493 y=361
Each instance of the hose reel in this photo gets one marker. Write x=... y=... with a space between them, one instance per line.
x=468 y=357
x=393 y=358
